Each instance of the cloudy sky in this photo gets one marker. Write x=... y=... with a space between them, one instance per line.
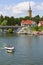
x=19 y=8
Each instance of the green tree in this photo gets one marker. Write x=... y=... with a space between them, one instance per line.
x=27 y=18
x=17 y=21
x=12 y=21
x=1 y=19
x=36 y=19
x=42 y=18
x=4 y=23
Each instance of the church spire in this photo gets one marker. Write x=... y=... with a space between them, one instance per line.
x=29 y=6
x=30 y=11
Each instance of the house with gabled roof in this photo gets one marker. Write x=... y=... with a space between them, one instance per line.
x=27 y=22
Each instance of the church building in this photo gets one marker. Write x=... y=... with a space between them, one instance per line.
x=29 y=11
x=28 y=22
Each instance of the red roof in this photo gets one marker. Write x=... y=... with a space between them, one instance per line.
x=29 y=22
x=41 y=22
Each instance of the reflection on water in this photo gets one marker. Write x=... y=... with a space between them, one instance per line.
x=8 y=34
x=28 y=50
x=9 y=53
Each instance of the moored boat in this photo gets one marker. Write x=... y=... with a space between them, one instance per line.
x=9 y=49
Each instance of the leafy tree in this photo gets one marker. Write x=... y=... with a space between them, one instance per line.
x=1 y=18
x=17 y=21
x=4 y=23
x=36 y=19
x=27 y=18
x=11 y=21
x=42 y=18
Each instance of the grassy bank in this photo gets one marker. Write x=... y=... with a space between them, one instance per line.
x=36 y=28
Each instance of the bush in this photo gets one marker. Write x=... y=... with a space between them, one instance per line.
x=9 y=31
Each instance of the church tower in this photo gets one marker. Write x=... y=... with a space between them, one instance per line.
x=29 y=11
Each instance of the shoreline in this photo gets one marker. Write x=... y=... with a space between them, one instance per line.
x=32 y=33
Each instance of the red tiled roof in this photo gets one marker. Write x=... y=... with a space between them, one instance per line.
x=26 y=22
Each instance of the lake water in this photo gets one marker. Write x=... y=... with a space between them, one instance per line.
x=28 y=50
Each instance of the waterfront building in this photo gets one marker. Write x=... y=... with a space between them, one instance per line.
x=27 y=22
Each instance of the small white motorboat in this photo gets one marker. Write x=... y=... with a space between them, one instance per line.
x=9 y=49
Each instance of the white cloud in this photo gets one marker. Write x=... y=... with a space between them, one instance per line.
x=40 y=6
x=1 y=12
x=7 y=7
x=19 y=8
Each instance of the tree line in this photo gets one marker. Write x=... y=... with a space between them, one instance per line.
x=12 y=21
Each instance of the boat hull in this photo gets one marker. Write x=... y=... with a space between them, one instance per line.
x=9 y=49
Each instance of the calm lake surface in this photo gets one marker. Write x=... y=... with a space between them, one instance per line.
x=28 y=50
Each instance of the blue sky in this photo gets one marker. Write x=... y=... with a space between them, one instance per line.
x=19 y=8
